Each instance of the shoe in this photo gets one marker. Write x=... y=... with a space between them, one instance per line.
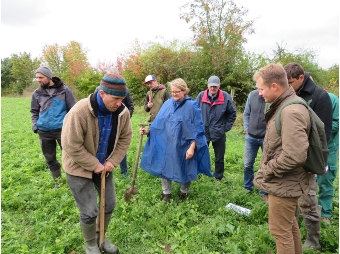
x=327 y=221
x=218 y=180
x=183 y=196
x=265 y=198
x=126 y=175
x=166 y=197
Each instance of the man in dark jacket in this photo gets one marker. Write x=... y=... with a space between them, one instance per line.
x=50 y=103
x=219 y=115
x=319 y=100
x=255 y=129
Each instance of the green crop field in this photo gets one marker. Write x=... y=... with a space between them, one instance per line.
x=36 y=218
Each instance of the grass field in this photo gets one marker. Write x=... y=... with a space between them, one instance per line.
x=38 y=219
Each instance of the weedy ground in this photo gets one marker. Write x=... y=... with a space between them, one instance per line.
x=38 y=219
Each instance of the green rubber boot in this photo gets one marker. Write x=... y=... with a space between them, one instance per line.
x=56 y=177
x=108 y=247
x=89 y=232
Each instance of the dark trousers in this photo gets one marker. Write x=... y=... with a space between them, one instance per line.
x=219 y=150
x=84 y=192
x=123 y=166
x=48 y=143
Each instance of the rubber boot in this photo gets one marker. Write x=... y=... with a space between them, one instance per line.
x=313 y=235
x=108 y=247
x=89 y=232
x=166 y=197
x=56 y=177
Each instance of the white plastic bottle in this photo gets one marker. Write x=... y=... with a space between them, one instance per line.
x=238 y=209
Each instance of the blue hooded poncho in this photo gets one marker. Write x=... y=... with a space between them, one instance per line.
x=175 y=127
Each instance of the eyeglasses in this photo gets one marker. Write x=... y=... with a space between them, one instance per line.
x=176 y=92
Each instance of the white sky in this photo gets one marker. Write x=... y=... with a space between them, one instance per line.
x=107 y=28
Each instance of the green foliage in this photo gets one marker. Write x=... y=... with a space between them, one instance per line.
x=19 y=72
x=219 y=32
x=87 y=82
x=332 y=77
x=166 y=61
x=6 y=77
x=306 y=58
x=38 y=219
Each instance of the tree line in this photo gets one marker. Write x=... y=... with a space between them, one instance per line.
x=219 y=29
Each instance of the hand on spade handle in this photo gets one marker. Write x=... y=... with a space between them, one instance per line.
x=104 y=169
x=142 y=130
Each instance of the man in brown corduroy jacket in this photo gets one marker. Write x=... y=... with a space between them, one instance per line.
x=96 y=135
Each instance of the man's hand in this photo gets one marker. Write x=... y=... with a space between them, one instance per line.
x=100 y=169
x=103 y=169
x=150 y=104
x=108 y=166
x=143 y=131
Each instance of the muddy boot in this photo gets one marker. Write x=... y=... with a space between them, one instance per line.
x=56 y=177
x=313 y=235
x=166 y=197
x=108 y=247
x=89 y=232
x=183 y=196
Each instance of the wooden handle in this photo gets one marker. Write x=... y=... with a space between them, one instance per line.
x=136 y=162
x=102 y=211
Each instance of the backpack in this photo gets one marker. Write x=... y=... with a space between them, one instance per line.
x=317 y=153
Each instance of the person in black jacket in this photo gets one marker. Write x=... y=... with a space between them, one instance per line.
x=128 y=102
x=219 y=115
x=319 y=100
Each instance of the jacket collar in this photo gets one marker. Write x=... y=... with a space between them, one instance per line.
x=278 y=101
x=308 y=85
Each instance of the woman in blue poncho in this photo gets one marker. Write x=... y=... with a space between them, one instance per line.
x=176 y=149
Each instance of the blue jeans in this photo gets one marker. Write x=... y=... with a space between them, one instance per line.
x=123 y=166
x=251 y=148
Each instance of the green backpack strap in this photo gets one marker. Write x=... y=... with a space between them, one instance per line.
x=278 y=125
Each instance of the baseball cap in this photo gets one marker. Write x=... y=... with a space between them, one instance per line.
x=149 y=78
x=214 y=81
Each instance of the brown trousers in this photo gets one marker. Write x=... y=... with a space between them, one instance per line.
x=283 y=224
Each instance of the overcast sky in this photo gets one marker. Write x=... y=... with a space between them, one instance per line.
x=106 y=28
